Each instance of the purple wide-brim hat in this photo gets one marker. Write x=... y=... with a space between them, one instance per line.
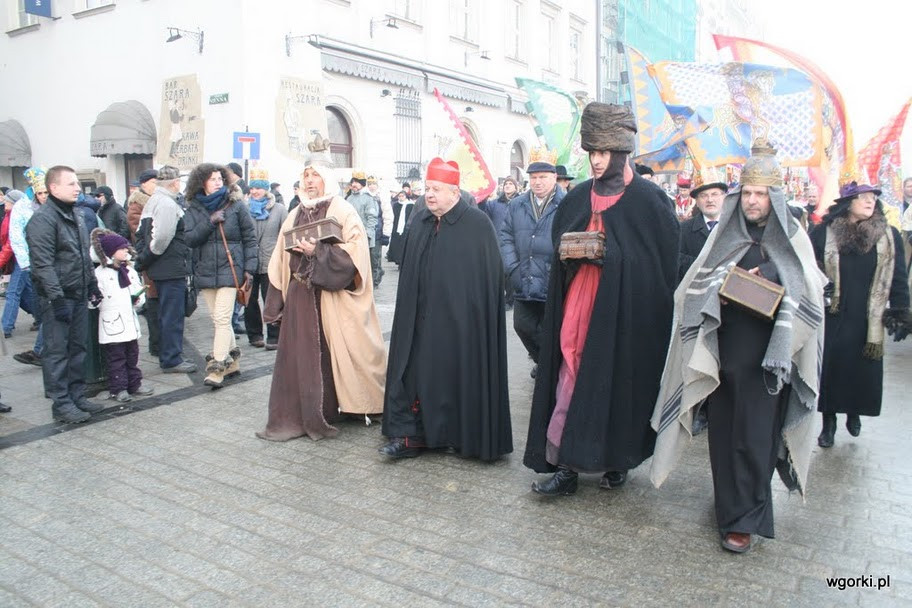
x=853 y=189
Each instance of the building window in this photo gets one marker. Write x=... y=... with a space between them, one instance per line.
x=25 y=19
x=470 y=129
x=549 y=60
x=576 y=56
x=409 y=10
x=340 y=138
x=515 y=30
x=517 y=160
x=463 y=16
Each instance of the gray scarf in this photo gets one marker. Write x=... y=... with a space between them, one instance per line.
x=792 y=355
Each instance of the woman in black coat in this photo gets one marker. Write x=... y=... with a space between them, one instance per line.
x=216 y=214
x=862 y=257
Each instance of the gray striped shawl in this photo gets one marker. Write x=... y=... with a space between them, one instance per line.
x=793 y=354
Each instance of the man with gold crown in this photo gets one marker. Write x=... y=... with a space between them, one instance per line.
x=607 y=317
x=331 y=359
x=759 y=376
x=446 y=386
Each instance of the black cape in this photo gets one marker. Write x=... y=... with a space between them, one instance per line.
x=607 y=425
x=448 y=346
x=851 y=383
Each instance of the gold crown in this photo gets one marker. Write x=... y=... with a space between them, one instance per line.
x=319 y=144
x=542 y=154
x=371 y=179
x=762 y=168
x=259 y=173
x=358 y=175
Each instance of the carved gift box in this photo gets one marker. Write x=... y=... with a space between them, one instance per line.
x=582 y=246
x=327 y=230
x=752 y=292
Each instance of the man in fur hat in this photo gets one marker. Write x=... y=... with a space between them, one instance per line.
x=759 y=377
x=607 y=316
x=446 y=386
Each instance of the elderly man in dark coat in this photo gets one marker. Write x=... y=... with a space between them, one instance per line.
x=607 y=317
x=446 y=383
x=525 y=243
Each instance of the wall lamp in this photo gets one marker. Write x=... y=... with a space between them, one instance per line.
x=175 y=33
x=390 y=23
x=385 y=93
x=481 y=54
x=289 y=39
x=469 y=109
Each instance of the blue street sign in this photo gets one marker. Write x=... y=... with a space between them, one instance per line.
x=246 y=146
x=41 y=8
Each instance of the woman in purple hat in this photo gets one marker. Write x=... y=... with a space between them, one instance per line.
x=867 y=297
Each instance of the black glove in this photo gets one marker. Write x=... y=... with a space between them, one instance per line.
x=95 y=296
x=384 y=240
x=217 y=217
x=63 y=310
x=898 y=323
x=828 y=291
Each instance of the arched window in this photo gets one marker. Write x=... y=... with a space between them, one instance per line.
x=340 y=138
x=470 y=129
x=517 y=160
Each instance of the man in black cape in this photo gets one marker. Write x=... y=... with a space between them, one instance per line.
x=446 y=383
x=598 y=380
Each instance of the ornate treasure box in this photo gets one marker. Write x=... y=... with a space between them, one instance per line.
x=751 y=292
x=582 y=246
x=327 y=230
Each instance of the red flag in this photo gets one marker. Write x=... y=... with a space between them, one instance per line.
x=880 y=158
x=474 y=174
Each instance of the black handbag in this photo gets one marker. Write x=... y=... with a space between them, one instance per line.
x=190 y=296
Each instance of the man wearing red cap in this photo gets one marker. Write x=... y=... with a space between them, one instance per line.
x=446 y=382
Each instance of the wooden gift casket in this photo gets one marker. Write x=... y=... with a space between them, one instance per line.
x=752 y=292
x=582 y=246
x=327 y=230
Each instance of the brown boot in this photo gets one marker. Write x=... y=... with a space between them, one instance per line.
x=215 y=372
x=233 y=363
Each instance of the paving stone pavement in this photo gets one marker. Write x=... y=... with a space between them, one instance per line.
x=174 y=502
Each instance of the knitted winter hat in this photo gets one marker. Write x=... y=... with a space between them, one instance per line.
x=112 y=242
x=259 y=183
x=13 y=196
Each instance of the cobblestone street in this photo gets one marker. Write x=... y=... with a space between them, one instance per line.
x=175 y=503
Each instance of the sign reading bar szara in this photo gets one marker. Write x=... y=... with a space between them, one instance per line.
x=300 y=116
x=181 y=130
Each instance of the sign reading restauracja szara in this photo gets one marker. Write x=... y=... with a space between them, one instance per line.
x=300 y=116
x=181 y=129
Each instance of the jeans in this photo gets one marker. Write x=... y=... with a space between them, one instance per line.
x=253 y=318
x=220 y=302
x=63 y=359
x=171 y=321
x=19 y=294
x=376 y=263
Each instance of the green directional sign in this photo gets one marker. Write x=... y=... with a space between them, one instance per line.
x=218 y=98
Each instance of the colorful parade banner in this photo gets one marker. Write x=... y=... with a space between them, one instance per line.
x=558 y=115
x=300 y=116
x=882 y=161
x=743 y=102
x=474 y=175
x=181 y=128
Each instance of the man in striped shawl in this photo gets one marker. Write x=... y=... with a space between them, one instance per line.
x=759 y=378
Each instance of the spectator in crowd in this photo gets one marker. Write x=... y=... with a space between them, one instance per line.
x=162 y=253
x=148 y=182
x=225 y=256
x=274 y=190
x=366 y=207
x=863 y=258
x=61 y=269
x=296 y=199
x=383 y=231
x=21 y=214
x=112 y=213
x=118 y=328
x=527 y=250
x=402 y=209
x=236 y=177
x=564 y=179
x=268 y=216
x=496 y=208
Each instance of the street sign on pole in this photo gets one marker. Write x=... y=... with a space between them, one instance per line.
x=246 y=145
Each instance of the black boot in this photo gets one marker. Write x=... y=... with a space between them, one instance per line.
x=562 y=483
x=853 y=425
x=825 y=439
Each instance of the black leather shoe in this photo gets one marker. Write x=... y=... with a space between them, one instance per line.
x=70 y=414
x=825 y=439
x=87 y=406
x=5 y=409
x=562 y=483
x=398 y=448
x=613 y=479
x=853 y=425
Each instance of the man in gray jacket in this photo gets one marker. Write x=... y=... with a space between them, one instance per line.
x=365 y=205
x=268 y=216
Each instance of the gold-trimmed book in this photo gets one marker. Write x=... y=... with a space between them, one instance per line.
x=752 y=292
x=327 y=230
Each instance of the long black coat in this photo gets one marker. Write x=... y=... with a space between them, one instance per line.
x=849 y=382
x=448 y=347
x=693 y=236
x=607 y=426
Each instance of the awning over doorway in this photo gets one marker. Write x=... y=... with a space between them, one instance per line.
x=125 y=127
x=15 y=149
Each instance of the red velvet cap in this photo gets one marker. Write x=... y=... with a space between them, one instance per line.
x=440 y=171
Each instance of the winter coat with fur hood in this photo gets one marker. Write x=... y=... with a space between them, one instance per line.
x=210 y=261
x=117 y=320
